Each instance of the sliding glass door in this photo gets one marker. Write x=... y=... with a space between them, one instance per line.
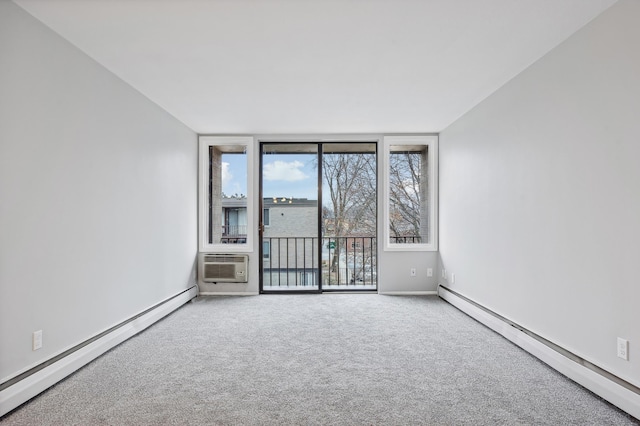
x=318 y=224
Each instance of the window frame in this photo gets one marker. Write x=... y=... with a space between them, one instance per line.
x=267 y=222
x=228 y=142
x=431 y=144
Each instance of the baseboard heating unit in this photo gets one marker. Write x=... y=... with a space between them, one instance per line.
x=30 y=383
x=617 y=391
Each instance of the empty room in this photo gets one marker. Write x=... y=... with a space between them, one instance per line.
x=319 y=212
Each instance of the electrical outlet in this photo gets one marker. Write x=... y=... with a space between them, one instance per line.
x=453 y=278
x=36 y=340
x=412 y=272
x=429 y=272
x=623 y=348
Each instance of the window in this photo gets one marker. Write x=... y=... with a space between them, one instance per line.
x=266 y=249
x=225 y=207
x=410 y=193
x=265 y=217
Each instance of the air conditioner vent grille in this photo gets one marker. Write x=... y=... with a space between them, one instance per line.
x=224 y=271
x=223 y=258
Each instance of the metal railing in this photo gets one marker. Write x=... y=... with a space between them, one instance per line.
x=290 y=261
x=234 y=234
x=341 y=262
x=414 y=239
x=233 y=240
x=234 y=230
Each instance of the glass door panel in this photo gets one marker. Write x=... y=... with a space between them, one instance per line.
x=349 y=216
x=289 y=223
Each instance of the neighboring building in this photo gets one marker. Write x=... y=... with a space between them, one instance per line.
x=234 y=220
x=290 y=253
x=290 y=242
x=290 y=237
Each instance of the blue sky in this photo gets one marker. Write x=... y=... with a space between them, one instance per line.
x=284 y=175
x=234 y=174
x=290 y=175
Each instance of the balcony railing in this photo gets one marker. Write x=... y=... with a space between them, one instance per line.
x=415 y=239
x=234 y=230
x=234 y=234
x=233 y=240
x=343 y=262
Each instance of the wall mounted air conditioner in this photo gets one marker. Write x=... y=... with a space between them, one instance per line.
x=223 y=268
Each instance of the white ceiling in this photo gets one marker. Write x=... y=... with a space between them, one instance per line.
x=315 y=66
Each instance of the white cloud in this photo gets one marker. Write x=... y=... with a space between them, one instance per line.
x=283 y=170
x=226 y=174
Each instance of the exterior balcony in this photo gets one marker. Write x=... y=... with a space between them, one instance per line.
x=296 y=263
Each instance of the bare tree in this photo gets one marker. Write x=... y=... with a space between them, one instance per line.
x=351 y=179
x=405 y=194
x=351 y=202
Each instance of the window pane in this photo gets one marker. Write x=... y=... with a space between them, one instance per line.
x=290 y=208
x=408 y=198
x=227 y=195
x=265 y=217
x=349 y=210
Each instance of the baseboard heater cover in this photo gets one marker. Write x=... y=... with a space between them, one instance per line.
x=31 y=385
x=618 y=392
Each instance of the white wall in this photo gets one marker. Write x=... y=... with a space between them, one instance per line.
x=97 y=196
x=395 y=271
x=539 y=197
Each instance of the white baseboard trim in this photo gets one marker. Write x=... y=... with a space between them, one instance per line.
x=606 y=388
x=32 y=385
x=228 y=293
x=409 y=293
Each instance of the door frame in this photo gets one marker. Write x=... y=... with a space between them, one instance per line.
x=261 y=225
x=262 y=140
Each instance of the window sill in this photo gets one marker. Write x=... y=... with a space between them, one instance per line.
x=226 y=248
x=410 y=247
